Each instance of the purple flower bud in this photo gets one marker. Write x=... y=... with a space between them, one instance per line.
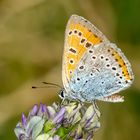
x=34 y=110
x=44 y=109
x=58 y=118
x=24 y=120
x=40 y=112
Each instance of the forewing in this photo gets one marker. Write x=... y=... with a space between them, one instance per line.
x=80 y=35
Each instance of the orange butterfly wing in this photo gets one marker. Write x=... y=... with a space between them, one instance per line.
x=79 y=36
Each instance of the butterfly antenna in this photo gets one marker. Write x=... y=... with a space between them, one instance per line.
x=41 y=87
x=52 y=84
x=48 y=85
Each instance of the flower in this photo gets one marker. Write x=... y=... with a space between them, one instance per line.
x=73 y=121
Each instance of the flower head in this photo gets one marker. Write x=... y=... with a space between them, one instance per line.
x=68 y=121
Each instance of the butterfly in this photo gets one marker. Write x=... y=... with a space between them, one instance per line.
x=93 y=68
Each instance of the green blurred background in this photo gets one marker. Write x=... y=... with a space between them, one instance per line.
x=31 y=45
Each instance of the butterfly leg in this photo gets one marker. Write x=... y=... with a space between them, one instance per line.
x=96 y=108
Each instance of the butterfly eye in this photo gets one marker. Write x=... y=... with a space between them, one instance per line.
x=61 y=94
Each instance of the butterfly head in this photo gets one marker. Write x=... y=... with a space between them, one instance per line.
x=62 y=94
x=65 y=96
